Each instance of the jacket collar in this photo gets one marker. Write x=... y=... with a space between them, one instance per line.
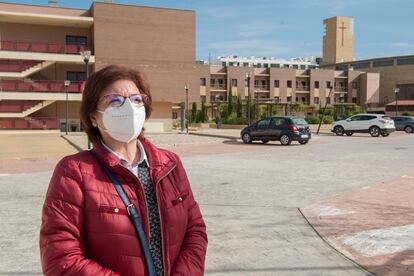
x=161 y=161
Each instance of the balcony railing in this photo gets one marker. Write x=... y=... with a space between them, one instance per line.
x=340 y=89
x=218 y=86
x=16 y=65
x=29 y=123
x=262 y=87
x=302 y=88
x=39 y=86
x=43 y=47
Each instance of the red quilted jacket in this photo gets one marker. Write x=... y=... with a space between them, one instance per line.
x=86 y=229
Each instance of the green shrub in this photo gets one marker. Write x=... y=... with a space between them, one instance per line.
x=312 y=119
x=406 y=114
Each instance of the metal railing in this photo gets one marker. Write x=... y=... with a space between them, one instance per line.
x=302 y=88
x=218 y=86
x=340 y=89
x=39 y=86
x=43 y=47
x=17 y=106
x=262 y=87
x=29 y=123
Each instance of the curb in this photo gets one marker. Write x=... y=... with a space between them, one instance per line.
x=333 y=247
x=71 y=143
x=214 y=135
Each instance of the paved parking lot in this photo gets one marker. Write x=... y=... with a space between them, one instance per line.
x=249 y=195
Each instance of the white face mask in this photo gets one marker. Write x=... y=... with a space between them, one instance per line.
x=124 y=123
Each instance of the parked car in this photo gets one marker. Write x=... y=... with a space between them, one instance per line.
x=374 y=124
x=405 y=123
x=283 y=129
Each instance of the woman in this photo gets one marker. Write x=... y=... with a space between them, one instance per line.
x=86 y=226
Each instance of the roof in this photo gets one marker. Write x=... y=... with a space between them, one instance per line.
x=402 y=102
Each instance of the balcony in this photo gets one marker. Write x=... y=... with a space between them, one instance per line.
x=218 y=87
x=262 y=87
x=17 y=65
x=29 y=123
x=39 y=86
x=43 y=47
x=339 y=89
x=303 y=88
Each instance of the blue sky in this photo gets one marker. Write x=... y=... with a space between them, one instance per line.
x=286 y=29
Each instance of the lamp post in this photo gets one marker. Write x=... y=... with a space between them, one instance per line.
x=67 y=83
x=396 y=91
x=186 y=106
x=248 y=76
x=86 y=55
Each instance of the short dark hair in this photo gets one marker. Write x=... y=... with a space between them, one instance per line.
x=98 y=82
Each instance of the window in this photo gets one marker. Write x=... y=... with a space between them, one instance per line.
x=202 y=81
x=266 y=65
x=275 y=65
x=354 y=85
x=75 y=76
x=405 y=61
x=277 y=99
x=289 y=99
x=277 y=83
x=354 y=99
x=223 y=64
x=212 y=82
x=316 y=84
x=383 y=63
x=220 y=82
x=368 y=118
x=245 y=64
x=286 y=66
x=289 y=84
x=234 y=82
x=277 y=122
x=76 y=40
x=357 y=118
x=328 y=84
x=297 y=99
x=328 y=100
x=304 y=83
x=303 y=99
x=303 y=67
x=263 y=123
x=316 y=100
x=174 y=115
x=295 y=66
x=360 y=65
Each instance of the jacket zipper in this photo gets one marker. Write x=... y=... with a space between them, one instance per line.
x=159 y=211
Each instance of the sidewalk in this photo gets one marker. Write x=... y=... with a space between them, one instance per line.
x=373 y=226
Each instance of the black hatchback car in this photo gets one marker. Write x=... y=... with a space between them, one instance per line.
x=283 y=129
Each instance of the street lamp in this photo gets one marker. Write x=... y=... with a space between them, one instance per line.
x=256 y=100
x=86 y=55
x=396 y=91
x=67 y=83
x=186 y=106
x=248 y=76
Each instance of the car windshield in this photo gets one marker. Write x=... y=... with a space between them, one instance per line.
x=299 y=121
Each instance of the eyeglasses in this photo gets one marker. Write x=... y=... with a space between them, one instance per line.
x=117 y=100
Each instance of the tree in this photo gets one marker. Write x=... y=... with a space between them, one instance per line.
x=193 y=112
x=230 y=101
x=239 y=107
x=203 y=112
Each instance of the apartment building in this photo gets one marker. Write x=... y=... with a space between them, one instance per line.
x=44 y=49
x=269 y=62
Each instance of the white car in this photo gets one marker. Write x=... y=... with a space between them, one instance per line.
x=374 y=124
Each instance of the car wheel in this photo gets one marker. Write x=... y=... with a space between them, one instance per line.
x=285 y=140
x=349 y=133
x=384 y=134
x=265 y=141
x=303 y=142
x=374 y=131
x=247 y=138
x=408 y=129
x=339 y=131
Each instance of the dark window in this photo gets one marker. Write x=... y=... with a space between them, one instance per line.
x=316 y=84
x=354 y=85
x=289 y=84
x=295 y=66
x=303 y=67
x=277 y=99
x=263 y=123
x=174 y=115
x=223 y=64
x=286 y=66
x=303 y=99
x=246 y=64
x=76 y=76
x=357 y=118
x=383 y=63
x=354 y=100
x=212 y=81
x=316 y=100
x=234 y=82
x=277 y=122
x=289 y=99
x=405 y=61
x=341 y=67
x=202 y=81
x=76 y=40
x=276 y=83
x=275 y=65
x=367 y=117
x=297 y=99
x=361 y=65
x=328 y=84
x=328 y=100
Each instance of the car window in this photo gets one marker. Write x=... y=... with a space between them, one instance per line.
x=396 y=119
x=356 y=118
x=277 y=122
x=299 y=121
x=263 y=123
x=368 y=117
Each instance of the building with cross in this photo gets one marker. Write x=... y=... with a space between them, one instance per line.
x=338 y=40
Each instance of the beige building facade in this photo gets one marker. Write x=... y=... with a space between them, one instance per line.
x=338 y=40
